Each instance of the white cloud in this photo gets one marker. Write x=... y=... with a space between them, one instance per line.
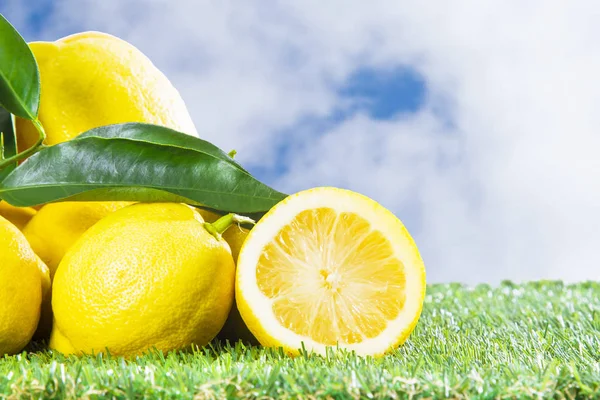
x=517 y=195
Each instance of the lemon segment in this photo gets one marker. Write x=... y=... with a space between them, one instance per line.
x=330 y=267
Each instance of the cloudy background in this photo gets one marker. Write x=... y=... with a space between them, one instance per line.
x=476 y=122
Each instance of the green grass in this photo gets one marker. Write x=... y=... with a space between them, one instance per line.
x=538 y=340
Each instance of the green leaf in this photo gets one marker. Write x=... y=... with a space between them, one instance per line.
x=137 y=162
x=159 y=135
x=8 y=142
x=19 y=74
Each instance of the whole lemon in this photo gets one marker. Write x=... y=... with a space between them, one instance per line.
x=146 y=276
x=18 y=216
x=56 y=226
x=234 y=329
x=23 y=281
x=92 y=79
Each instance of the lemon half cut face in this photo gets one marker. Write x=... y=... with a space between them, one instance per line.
x=330 y=267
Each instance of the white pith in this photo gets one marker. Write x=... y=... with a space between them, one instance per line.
x=341 y=201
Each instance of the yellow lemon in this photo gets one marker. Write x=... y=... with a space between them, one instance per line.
x=92 y=79
x=330 y=267
x=23 y=280
x=18 y=216
x=56 y=226
x=146 y=276
x=234 y=329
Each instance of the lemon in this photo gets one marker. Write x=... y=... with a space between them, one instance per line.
x=23 y=281
x=146 y=276
x=329 y=267
x=18 y=216
x=92 y=79
x=56 y=226
x=234 y=329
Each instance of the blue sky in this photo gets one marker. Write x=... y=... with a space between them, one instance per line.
x=474 y=122
x=379 y=93
x=384 y=94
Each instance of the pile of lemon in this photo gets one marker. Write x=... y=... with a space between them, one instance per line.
x=325 y=267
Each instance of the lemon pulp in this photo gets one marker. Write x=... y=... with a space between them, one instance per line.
x=331 y=277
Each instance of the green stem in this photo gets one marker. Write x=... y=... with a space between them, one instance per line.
x=219 y=227
x=1 y=146
x=33 y=149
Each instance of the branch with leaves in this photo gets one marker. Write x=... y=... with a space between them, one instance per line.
x=123 y=162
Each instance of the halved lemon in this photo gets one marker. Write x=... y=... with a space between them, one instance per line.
x=330 y=267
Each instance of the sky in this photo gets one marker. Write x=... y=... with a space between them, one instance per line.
x=475 y=121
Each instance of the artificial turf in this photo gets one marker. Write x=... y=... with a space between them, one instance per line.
x=537 y=340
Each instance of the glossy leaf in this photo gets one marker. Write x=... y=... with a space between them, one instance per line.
x=8 y=141
x=159 y=135
x=137 y=162
x=19 y=75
